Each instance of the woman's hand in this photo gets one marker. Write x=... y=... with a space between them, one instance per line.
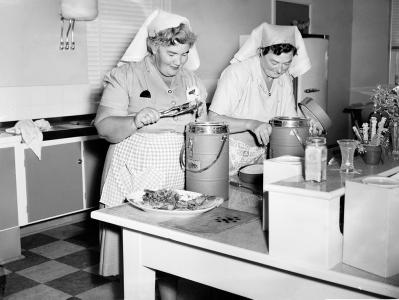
x=146 y=116
x=315 y=128
x=261 y=130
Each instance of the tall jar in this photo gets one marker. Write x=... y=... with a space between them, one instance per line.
x=316 y=159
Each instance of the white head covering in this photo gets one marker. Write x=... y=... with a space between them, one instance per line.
x=266 y=35
x=157 y=21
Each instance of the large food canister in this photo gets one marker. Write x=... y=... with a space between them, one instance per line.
x=207 y=158
x=289 y=135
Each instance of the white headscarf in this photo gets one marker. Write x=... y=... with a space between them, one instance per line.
x=266 y=35
x=157 y=21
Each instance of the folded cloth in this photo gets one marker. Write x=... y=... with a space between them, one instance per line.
x=155 y=22
x=31 y=134
x=266 y=35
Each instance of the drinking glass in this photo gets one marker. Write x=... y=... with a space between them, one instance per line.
x=347 y=147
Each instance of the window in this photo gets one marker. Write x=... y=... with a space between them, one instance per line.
x=111 y=33
x=394 y=66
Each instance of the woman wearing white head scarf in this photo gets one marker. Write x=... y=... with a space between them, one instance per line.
x=155 y=74
x=256 y=87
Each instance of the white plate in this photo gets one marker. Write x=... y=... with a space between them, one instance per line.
x=136 y=199
x=380 y=181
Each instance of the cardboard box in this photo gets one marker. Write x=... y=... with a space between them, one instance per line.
x=282 y=167
x=276 y=169
x=371 y=228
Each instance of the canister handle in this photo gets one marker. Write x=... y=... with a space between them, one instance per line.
x=183 y=165
x=300 y=139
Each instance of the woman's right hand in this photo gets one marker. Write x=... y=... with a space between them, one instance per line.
x=146 y=116
x=261 y=130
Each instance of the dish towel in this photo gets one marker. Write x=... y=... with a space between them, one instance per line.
x=31 y=133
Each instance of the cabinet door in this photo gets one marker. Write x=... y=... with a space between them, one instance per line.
x=94 y=152
x=8 y=189
x=54 y=183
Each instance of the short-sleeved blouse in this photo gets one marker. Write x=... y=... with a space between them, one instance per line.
x=126 y=92
x=242 y=93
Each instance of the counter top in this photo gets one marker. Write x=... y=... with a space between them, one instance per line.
x=244 y=242
x=62 y=127
x=335 y=184
x=9 y=139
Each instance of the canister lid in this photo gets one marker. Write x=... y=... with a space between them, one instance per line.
x=311 y=109
x=207 y=127
x=282 y=121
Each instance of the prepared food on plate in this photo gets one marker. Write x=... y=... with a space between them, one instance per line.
x=169 y=199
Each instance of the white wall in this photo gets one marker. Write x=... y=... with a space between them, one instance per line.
x=356 y=53
x=219 y=24
x=370 y=47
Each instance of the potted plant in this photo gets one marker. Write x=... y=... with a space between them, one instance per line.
x=386 y=104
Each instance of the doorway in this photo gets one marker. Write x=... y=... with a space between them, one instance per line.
x=289 y=13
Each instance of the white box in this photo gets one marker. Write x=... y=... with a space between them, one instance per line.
x=371 y=228
x=276 y=169
x=282 y=167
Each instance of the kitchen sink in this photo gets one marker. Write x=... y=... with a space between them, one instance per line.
x=71 y=125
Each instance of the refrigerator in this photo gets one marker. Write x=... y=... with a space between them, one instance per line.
x=313 y=83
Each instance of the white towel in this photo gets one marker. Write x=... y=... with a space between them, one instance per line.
x=157 y=21
x=31 y=133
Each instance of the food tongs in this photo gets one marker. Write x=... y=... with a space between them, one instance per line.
x=180 y=109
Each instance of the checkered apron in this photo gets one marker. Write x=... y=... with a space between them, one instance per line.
x=144 y=161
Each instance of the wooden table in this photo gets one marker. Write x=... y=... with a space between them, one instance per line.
x=235 y=259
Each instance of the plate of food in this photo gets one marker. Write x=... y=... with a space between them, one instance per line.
x=173 y=202
x=381 y=181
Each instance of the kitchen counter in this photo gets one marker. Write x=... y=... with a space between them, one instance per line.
x=335 y=183
x=235 y=258
x=316 y=210
x=61 y=127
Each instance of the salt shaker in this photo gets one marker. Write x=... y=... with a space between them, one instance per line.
x=316 y=159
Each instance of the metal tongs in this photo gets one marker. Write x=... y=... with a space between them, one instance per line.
x=180 y=109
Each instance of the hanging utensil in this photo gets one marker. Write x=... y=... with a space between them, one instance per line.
x=72 y=40
x=67 y=35
x=62 y=34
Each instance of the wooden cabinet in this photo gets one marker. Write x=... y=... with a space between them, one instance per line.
x=54 y=184
x=10 y=246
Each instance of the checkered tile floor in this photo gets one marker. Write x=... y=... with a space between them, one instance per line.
x=60 y=263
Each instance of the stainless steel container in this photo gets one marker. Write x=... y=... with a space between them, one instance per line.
x=289 y=135
x=207 y=158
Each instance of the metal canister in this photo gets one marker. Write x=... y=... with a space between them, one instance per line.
x=288 y=137
x=207 y=158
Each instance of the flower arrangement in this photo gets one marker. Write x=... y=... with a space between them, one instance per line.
x=382 y=127
x=374 y=134
x=386 y=101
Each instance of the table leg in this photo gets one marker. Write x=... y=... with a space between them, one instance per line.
x=138 y=280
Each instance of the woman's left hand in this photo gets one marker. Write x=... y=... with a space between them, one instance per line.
x=315 y=128
x=262 y=131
